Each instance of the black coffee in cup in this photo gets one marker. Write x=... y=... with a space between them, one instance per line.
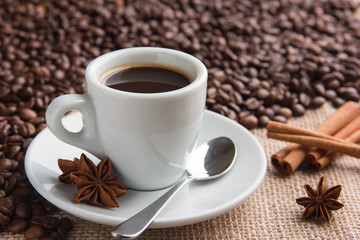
x=145 y=79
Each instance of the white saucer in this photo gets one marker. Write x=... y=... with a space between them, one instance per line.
x=197 y=201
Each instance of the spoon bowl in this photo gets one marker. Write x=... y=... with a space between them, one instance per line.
x=210 y=160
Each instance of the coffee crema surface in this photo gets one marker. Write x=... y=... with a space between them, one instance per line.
x=145 y=79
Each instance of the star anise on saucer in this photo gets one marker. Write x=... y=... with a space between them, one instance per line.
x=320 y=202
x=67 y=167
x=96 y=184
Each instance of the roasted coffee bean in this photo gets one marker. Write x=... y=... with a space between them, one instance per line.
x=337 y=101
x=7 y=205
x=40 y=127
x=23 y=210
x=284 y=111
x=50 y=223
x=330 y=94
x=280 y=118
x=269 y=112
x=317 y=101
x=13 y=151
x=27 y=114
x=18 y=225
x=297 y=109
x=9 y=110
x=333 y=84
x=262 y=93
x=4 y=219
x=35 y=232
x=249 y=121
x=211 y=92
x=37 y=120
x=55 y=227
x=26 y=144
x=263 y=121
x=5 y=174
x=10 y=183
x=15 y=140
x=27 y=129
x=305 y=99
x=319 y=88
x=252 y=103
x=5 y=164
x=25 y=93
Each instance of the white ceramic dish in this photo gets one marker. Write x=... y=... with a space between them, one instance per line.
x=197 y=201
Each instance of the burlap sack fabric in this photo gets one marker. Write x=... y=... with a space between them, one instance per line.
x=271 y=212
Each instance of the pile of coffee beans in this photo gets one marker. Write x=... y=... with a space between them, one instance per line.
x=22 y=210
x=267 y=60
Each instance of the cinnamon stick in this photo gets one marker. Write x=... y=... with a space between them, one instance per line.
x=330 y=156
x=340 y=146
x=294 y=158
x=277 y=158
x=285 y=129
x=343 y=115
x=314 y=155
x=294 y=152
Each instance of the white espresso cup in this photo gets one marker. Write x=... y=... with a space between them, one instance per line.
x=147 y=136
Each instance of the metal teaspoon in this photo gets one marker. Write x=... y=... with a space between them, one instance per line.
x=210 y=160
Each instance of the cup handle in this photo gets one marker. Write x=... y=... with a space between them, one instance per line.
x=86 y=138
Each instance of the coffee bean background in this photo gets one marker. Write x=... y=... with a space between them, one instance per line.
x=266 y=60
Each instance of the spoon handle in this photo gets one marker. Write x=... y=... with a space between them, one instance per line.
x=135 y=225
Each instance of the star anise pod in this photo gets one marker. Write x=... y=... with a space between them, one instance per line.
x=67 y=167
x=320 y=202
x=96 y=184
